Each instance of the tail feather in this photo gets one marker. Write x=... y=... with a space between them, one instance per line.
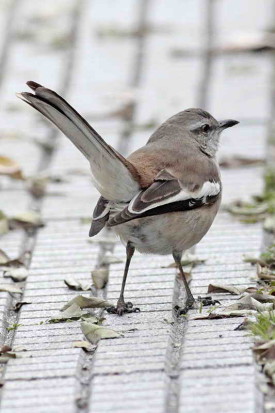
x=113 y=175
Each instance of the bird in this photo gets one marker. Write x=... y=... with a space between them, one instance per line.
x=163 y=198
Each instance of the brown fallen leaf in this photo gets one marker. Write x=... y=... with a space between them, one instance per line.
x=216 y=316
x=100 y=277
x=88 y=302
x=5 y=349
x=9 y=167
x=265 y=350
x=224 y=288
x=94 y=333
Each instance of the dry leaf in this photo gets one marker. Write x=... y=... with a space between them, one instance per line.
x=100 y=277
x=14 y=269
x=266 y=350
x=94 y=333
x=223 y=288
x=263 y=298
x=16 y=273
x=249 y=303
x=26 y=220
x=10 y=289
x=88 y=302
x=4 y=258
x=5 y=349
x=83 y=344
x=74 y=284
x=7 y=356
x=73 y=312
x=216 y=316
x=9 y=167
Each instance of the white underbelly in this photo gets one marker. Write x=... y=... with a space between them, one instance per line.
x=163 y=234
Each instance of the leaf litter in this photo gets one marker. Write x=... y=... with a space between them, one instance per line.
x=76 y=285
x=257 y=306
x=10 y=168
x=88 y=302
x=94 y=332
x=14 y=269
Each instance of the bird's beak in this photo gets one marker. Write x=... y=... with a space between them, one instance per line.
x=228 y=123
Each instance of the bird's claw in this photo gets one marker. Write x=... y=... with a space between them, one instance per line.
x=206 y=301
x=122 y=308
x=188 y=305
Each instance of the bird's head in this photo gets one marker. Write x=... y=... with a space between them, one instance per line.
x=202 y=127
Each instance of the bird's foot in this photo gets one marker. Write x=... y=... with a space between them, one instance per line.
x=206 y=301
x=192 y=303
x=188 y=305
x=122 y=308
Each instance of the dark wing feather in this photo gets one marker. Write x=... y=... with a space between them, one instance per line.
x=100 y=216
x=163 y=196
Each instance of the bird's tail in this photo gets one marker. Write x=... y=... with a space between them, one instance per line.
x=113 y=175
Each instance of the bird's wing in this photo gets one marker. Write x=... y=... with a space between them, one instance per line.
x=100 y=216
x=113 y=175
x=167 y=194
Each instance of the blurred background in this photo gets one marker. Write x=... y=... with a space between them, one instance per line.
x=126 y=66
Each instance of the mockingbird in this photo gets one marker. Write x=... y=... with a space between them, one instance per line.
x=164 y=197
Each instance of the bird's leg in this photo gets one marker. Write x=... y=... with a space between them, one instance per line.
x=121 y=306
x=189 y=299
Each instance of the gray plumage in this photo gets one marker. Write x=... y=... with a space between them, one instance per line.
x=165 y=196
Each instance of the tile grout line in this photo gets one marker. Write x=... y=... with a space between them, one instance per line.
x=180 y=326
x=85 y=365
x=30 y=237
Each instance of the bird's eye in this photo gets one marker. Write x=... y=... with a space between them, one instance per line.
x=205 y=128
